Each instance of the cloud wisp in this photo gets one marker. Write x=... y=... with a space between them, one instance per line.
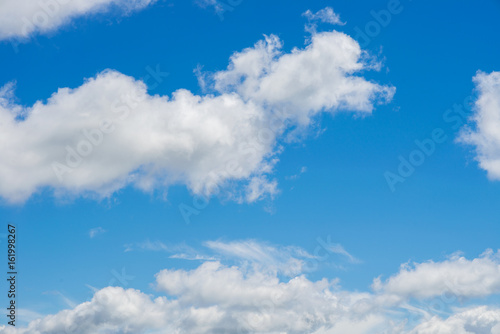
x=325 y=15
x=284 y=260
x=483 y=129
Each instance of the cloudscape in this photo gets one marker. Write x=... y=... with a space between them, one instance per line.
x=234 y=166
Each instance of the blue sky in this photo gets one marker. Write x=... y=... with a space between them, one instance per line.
x=321 y=178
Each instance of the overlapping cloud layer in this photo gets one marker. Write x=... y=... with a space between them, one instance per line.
x=484 y=129
x=109 y=132
x=22 y=18
x=217 y=298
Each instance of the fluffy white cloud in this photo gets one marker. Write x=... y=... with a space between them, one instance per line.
x=109 y=132
x=22 y=18
x=304 y=82
x=111 y=310
x=484 y=129
x=216 y=298
x=213 y=299
x=456 y=276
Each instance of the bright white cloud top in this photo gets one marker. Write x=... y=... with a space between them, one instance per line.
x=109 y=132
x=484 y=129
x=251 y=298
x=23 y=18
x=467 y=278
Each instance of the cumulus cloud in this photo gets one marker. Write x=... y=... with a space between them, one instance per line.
x=483 y=130
x=110 y=132
x=458 y=276
x=22 y=18
x=218 y=298
x=305 y=81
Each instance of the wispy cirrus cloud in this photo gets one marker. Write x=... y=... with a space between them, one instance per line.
x=288 y=260
x=285 y=260
x=148 y=246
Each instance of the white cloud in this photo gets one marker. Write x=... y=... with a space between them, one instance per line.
x=260 y=187
x=339 y=249
x=110 y=133
x=23 y=18
x=286 y=260
x=325 y=15
x=302 y=83
x=484 y=129
x=457 y=276
x=478 y=320
x=111 y=309
x=216 y=298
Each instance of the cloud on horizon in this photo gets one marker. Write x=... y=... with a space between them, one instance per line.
x=230 y=299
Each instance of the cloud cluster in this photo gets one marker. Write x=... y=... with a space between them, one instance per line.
x=217 y=298
x=22 y=18
x=459 y=276
x=483 y=130
x=110 y=132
